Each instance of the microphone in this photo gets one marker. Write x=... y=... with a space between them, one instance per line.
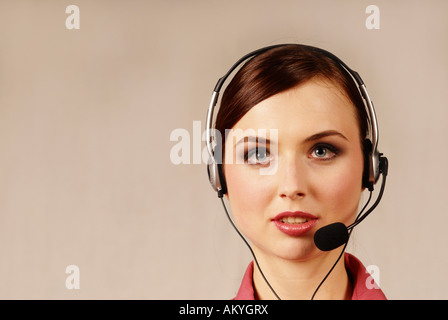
x=331 y=236
x=336 y=234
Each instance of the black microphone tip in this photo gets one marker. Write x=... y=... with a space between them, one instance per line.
x=331 y=236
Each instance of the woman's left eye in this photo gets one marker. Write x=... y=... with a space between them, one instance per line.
x=323 y=152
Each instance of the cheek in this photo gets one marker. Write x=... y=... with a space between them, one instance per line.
x=244 y=185
x=341 y=190
x=248 y=193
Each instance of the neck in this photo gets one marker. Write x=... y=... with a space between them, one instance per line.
x=297 y=280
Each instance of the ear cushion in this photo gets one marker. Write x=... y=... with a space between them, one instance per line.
x=221 y=180
x=215 y=172
x=367 y=150
x=211 y=171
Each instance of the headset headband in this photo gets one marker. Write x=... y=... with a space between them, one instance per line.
x=374 y=165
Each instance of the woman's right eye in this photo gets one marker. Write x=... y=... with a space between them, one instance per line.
x=257 y=156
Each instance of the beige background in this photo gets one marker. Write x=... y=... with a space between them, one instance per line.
x=85 y=123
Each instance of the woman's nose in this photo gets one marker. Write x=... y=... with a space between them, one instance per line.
x=292 y=180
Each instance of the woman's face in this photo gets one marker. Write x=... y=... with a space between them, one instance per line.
x=313 y=164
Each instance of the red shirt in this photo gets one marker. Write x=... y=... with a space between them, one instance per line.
x=356 y=271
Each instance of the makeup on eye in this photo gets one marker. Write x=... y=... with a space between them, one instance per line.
x=324 y=152
x=258 y=155
x=325 y=146
x=254 y=150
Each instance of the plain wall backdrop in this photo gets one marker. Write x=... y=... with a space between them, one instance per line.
x=86 y=115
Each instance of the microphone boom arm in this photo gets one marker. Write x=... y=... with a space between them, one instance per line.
x=384 y=166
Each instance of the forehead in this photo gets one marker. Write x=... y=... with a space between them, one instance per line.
x=314 y=106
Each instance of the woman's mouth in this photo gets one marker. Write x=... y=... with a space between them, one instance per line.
x=294 y=223
x=294 y=220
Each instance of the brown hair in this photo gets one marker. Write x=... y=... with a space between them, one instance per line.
x=280 y=69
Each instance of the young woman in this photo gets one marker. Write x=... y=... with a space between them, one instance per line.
x=313 y=152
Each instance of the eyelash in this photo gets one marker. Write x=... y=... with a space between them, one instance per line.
x=253 y=151
x=331 y=148
x=326 y=146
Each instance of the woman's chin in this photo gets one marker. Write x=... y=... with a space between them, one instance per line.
x=294 y=250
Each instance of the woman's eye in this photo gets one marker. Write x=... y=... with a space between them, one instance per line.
x=258 y=156
x=324 y=152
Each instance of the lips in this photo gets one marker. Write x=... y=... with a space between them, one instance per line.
x=295 y=223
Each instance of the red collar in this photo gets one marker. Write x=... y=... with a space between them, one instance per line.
x=356 y=271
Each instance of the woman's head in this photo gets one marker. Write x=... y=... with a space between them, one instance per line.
x=320 y=122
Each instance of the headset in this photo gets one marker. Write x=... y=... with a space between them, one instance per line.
x=375 y=164
x=371 y=155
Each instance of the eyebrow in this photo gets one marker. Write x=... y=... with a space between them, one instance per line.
x=253 y=139
x=312 y=138
x=324 y=134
